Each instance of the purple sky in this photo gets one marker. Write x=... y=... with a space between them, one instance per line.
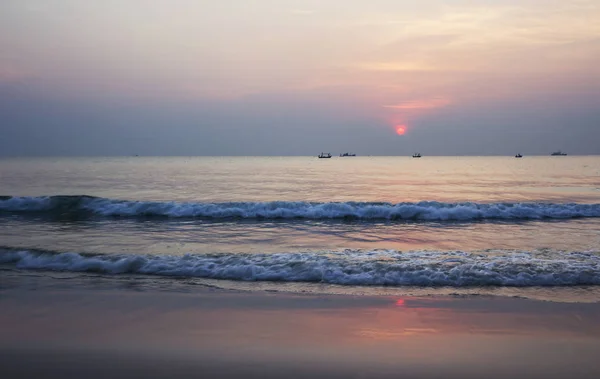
x=278 y=77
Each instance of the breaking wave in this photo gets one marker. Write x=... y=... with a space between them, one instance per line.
x=425 y=210
x=350 y=267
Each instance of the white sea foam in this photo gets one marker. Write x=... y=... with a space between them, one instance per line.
x=426 y=210
x=362 y=268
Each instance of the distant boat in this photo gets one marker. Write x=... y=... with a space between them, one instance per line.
x=324 y=155
x=560 y=153
x=518 y=156
x=348 y=155
x=416 y=155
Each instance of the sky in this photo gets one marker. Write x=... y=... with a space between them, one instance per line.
x=298 y=77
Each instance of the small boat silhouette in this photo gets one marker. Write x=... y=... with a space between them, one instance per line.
x=518 y=156
x=324 y=155
x=416 y=155
x=347 y=155
x=559 y=153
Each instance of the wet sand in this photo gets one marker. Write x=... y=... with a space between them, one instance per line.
x=81 y=331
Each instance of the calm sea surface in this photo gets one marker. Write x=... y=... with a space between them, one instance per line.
x=500 y=225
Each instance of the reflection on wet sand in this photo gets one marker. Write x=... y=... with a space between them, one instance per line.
x=229 y=334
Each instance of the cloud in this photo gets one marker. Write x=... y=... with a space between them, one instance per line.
x=302 y=12
x=36 y=7
x=393 y=66
x=11 y=74
x=480 y=37
x=421 y=104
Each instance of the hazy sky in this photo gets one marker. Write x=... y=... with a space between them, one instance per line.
x=279 y=77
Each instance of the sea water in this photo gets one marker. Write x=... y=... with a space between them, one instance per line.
x=435 y=225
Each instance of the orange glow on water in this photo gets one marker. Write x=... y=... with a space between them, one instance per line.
x=400 y=302
x=400 y=130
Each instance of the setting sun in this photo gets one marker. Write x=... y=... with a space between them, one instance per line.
x=400 y=130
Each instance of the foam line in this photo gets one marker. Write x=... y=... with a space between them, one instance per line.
x=353 y=267
x=425 y=210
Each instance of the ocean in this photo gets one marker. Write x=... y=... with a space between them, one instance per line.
x=526 y=227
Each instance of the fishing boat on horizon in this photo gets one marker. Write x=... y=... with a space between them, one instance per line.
x=558 y=153
x=518 y=155
x=322 y=155
x=347 y=155
x=416 y=155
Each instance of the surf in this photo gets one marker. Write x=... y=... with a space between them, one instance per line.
x=348 y=267
x=418 y=211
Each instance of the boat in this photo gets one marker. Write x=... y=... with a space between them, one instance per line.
x=348 y=155
x=324 y=155
x=518 y=156
x=416 y=155
x=559 y=153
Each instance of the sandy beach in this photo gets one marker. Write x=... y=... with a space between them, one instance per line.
x=77 y=331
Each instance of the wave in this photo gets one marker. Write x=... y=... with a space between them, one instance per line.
x=350 y=267
x=425 y=210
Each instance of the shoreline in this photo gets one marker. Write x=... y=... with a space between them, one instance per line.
x=74 y=331
x=34 y=279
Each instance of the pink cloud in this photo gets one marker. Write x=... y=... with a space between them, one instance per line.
x=420 y=104
x=12 y=74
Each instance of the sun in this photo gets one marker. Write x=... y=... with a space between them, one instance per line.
x=400 y=130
